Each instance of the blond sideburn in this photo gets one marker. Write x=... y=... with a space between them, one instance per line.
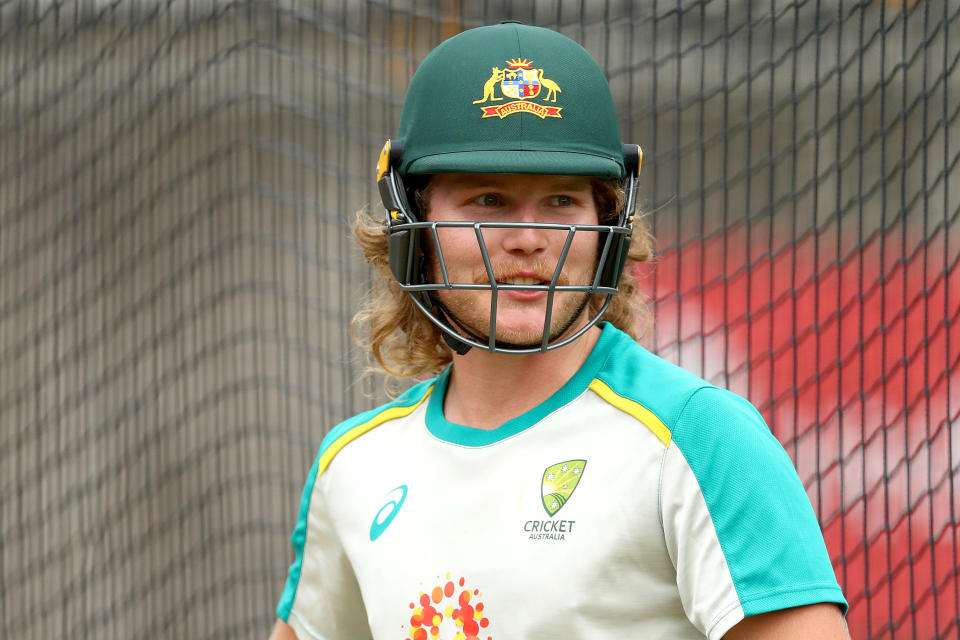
x=403 y=343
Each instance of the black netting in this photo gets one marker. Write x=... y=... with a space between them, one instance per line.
x=176 y=276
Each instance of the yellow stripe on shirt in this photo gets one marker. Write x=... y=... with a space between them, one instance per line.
x=384 y=416
x=632 y=408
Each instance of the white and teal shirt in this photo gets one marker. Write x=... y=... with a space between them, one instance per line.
x=638 y=501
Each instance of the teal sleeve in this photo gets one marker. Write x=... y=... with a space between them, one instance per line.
x=764 y=522
x=298 y=539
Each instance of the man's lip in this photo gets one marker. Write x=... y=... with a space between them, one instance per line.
x=539 y=281
x=539 y=277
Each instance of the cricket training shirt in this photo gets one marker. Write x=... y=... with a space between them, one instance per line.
x=638 y=501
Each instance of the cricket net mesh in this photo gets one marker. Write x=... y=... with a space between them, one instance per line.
x=176 y=276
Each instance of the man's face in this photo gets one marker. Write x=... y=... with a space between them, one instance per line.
x=518 y=256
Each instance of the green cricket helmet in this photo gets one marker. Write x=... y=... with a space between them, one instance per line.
x=507 y=98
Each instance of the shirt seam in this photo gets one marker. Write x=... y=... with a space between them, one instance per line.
x=766 y=594
x=302 y=622
x=733 y=583
x=723 y=613
x=686 y=402
x=663 y=458
x=663 y=462
x=793 y=589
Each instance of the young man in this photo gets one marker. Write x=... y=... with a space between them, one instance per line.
x=553 y=479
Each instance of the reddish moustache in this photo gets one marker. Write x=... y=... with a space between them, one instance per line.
x=509 y=270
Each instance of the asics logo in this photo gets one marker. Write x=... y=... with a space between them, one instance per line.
x=387 y=512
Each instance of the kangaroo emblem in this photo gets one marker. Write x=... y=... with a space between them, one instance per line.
x=552 y=87
x=521 y=86
x=496 y=76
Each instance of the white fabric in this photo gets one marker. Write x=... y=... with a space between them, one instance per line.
x=326 y=570
x=703 y=577
x=467 y=514
x=673 y=526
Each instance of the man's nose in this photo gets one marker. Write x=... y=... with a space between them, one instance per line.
x=525 y=240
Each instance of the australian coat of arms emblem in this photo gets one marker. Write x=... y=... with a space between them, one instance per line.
x=521 y=82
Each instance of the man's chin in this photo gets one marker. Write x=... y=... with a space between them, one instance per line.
x=531 y=336
x=517 y=337
x=516 y=328
x=519 y=342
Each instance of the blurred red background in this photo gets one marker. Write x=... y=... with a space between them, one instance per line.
x=850 y=353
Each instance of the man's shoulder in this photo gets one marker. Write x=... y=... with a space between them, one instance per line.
x=670 y=392
x=354 y=427
x=633 y=372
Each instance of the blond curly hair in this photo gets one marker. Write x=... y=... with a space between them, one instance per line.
x=403 y=343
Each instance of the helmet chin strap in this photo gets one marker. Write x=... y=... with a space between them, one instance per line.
x=458 y=346
x=461 y=347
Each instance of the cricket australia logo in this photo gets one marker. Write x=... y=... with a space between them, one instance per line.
x=521 y=82
x=559 y=482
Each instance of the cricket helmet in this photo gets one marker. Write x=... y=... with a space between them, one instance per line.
x=506 y=98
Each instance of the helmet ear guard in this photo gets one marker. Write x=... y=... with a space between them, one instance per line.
x=403 y=244
x=620 y=242
x=404 y=255
x=388 y=181
x=616 y=259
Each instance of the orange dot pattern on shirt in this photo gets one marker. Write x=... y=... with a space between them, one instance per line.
x=448 y=602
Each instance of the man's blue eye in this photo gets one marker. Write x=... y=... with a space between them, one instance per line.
x=563 y=201
x=488 y=200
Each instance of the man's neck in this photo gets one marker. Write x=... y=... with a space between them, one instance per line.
x=488 y=389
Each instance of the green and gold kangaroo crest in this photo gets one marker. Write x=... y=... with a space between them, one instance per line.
x=559 y=482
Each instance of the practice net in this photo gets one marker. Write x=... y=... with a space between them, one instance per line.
x=176 y=276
